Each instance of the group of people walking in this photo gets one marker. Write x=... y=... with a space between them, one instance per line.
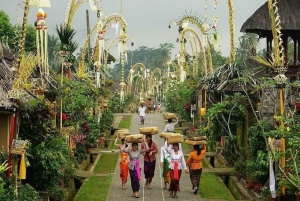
x=171 y=159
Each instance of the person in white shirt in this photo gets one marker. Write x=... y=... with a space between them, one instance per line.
x=142 y=113
x=177 y=164
x=170 y=126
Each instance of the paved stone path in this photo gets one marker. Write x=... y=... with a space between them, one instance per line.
x=157 y=193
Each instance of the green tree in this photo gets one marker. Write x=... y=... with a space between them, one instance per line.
x=6 y=29
x=53 y=49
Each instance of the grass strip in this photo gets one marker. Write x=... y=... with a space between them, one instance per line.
x=212 y=188
x=106 y=164
x=96 y=188
x=124 y=123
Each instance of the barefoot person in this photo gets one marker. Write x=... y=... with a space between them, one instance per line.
x=142 y=113
x=134 y=168
x=149 y=159
x=124 y=161
x=195 y=165
x=176 y=166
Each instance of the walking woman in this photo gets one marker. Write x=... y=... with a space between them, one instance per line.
x=149 y=159
x=164 y=163
x=176 y=166
x=134 y=168
x=124 y=161
x=170 y=127
x=194 y=162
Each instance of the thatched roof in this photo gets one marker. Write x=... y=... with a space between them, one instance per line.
x=234 y=87
x=259 y=23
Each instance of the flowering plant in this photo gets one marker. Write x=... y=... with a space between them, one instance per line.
x=78 y=138
x=186 y=106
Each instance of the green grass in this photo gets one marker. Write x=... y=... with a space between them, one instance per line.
x=96 y=188
x=212 y=188
x=125 y=122
x=107 y=163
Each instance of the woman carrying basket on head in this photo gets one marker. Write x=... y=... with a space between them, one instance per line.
x=134 y=167
x=149 y=159
x=176 y=166
x=124 y=161
x=195 y=165
x=170 y=127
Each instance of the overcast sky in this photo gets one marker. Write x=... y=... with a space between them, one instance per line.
x=147 y=20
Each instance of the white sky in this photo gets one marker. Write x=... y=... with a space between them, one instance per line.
x=147 y=20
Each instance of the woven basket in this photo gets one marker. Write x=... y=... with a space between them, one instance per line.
x=170 y=116
x=192 y=142
x=123 y=135
x=135 y=138
x=165 y=135
x=122 y=131
x=149 y=130
x=175 y=139
x=199 y=138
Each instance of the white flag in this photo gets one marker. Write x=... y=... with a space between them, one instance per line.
x=116 y=26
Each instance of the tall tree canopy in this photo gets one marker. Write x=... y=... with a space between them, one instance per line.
x=151 y=57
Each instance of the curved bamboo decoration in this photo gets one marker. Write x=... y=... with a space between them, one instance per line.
x=232 y=31
x=73 y=8
x=202 y=52
x=106 y=21
x=23 y=35
x=137 y=65
x=196 y=22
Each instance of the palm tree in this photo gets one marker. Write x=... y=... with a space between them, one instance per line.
x=53 y=49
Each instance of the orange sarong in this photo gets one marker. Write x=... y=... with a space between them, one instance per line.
x=124 y=166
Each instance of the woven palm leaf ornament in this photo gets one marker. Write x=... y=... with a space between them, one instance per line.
x=276 y=62
x=41 y=35
x=278 y=55
x=99 y=56
x=232 y=31
x=216 y=36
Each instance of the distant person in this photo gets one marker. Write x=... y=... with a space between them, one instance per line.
x=124 y=161
x=194 y=162
x=142 y=113
x=158 y=107
x=170 y=127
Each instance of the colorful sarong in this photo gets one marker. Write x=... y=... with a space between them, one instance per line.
x=149 y=168
x=195 y=177
x=174 y=186
x=135 y=182
x=124 y=166
x=166 y=171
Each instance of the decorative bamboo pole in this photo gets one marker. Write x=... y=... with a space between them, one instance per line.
x=23 y=35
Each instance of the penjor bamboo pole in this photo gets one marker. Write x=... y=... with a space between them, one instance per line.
x=23 y=35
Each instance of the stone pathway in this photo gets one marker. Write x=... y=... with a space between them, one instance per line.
x=157 y=193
